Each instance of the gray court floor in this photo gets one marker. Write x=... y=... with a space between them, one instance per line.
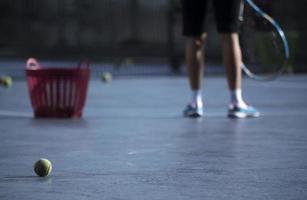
x=133 y=143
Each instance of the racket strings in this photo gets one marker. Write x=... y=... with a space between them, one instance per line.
x=263 y=48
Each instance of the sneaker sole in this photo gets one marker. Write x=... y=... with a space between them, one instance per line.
x=193 y=115
x=240 y=115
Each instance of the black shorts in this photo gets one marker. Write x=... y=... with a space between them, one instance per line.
x=226 y=13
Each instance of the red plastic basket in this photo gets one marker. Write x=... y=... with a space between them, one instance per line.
x=57 y=92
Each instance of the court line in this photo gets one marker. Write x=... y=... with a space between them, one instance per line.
x=15 y=113
x=278 y=85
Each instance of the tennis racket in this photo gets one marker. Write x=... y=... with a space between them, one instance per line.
x=265 y=50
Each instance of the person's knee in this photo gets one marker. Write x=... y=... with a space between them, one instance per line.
x=197 y=41
x=230 y=36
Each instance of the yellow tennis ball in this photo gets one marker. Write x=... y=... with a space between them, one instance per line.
x=6 y=81
x=106 y=77
x=43 y=167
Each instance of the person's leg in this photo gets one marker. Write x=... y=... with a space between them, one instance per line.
x=232 y=59
x=195 y=65
x=227 y=13
x=194 y=54
x=232 y=62
x=193 y=21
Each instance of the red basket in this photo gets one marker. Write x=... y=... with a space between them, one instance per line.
x=57 y=92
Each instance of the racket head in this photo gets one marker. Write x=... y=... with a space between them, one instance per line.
x=265 y=51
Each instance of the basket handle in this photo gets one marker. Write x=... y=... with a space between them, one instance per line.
x=84 y=62
x=32 y=64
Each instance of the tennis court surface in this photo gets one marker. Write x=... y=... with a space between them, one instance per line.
x=133 y=143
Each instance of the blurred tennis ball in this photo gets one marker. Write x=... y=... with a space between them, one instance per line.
x=106 y=77
x=43 y=167
x=6 y=81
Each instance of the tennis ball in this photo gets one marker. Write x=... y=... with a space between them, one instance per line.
x=43 y=167
x=6 y=81
x=106 y=77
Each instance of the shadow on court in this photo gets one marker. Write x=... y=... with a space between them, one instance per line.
x=133 y=143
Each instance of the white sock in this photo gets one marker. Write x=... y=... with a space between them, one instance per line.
x=197 y=99
x=237 y=99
